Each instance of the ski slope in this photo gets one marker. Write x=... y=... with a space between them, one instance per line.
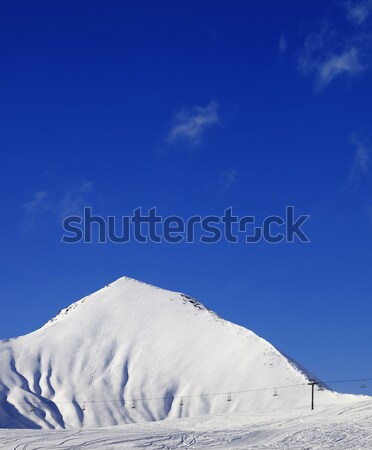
x=131 y=353
x=337 y=427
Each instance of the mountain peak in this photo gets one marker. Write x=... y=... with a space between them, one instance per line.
x=131 y=343
x=127 y=289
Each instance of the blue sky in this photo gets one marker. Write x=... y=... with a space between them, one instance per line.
x=194 y=107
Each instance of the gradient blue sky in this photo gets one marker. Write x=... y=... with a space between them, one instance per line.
x=98 y=107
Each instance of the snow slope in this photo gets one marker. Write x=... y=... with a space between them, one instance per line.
x=326 y=428
x=132 y=352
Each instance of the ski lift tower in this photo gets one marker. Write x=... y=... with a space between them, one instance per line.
x=312 y=383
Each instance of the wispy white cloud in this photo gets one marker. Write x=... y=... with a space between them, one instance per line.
x=332 y=51
x=326 y=57
x=362 y=161
x=72 y=201
x=283 y=44
x=33 y=207
x=228 y=178
x=58 y=204
x=345 y=63
x=191 y=123
x=358 y=11
x=36 y=202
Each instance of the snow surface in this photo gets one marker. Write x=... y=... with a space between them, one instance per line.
x=132 y=352
x=326 y=428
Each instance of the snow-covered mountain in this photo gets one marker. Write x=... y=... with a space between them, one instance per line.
x=132 y=352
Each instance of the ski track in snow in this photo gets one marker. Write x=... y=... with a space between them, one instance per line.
x=335 y=427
